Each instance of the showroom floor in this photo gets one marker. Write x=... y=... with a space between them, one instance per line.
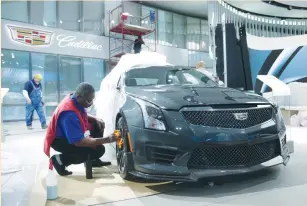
x=276 y=186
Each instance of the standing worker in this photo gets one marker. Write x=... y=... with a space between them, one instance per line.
x=32 y=92
x=71 y=131
x=200 y=66
x=138 y=45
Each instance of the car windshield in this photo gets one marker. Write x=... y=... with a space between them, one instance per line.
x=166 y=75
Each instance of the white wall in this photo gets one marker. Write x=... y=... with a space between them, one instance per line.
x=174 y=55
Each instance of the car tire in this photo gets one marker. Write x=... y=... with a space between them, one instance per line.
x=122 y=154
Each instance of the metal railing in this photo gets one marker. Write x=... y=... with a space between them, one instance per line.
x=123 y=42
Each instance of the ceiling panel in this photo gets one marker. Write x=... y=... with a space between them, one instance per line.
x=200 y=8
x=258 y=7
x=189 y=8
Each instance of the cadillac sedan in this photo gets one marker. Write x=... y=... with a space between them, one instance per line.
x=179 y=125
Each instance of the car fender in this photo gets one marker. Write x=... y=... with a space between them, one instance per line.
x=132 y=113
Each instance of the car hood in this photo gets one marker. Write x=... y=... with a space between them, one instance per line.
x=177 y=96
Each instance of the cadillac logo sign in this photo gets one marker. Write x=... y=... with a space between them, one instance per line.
x=241 y=116
x=31 y=37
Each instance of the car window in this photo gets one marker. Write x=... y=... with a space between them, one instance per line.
x=190 y=78
x=166 y=75
x=146 y=81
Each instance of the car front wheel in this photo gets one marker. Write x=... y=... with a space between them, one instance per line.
x=122 y=150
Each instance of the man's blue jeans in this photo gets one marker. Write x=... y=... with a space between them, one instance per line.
x=40 y=112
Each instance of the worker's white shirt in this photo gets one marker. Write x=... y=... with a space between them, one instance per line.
x=210 y=75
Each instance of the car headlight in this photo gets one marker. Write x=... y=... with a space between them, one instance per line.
x=153 y=116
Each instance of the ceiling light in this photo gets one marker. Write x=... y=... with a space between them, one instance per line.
x=61 y=22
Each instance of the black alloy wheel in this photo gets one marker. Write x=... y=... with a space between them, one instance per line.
x=122 y=153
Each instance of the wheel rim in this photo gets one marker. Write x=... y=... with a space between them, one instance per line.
x=122 y=153
x=122 y=165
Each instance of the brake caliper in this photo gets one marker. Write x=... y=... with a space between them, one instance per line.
x=120 y=141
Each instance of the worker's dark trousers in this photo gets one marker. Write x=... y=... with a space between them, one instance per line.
x=70 y=154
x=137 y=51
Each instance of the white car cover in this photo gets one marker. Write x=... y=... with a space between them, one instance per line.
x=108 y=98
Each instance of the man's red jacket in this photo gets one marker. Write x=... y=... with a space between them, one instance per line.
x=67 y=104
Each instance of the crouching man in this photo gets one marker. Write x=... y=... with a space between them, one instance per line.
x=74 y=133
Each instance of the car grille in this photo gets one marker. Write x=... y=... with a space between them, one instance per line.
x=227 y=119
x=220 y=157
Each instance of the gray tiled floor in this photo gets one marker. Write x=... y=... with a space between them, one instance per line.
x=26 y=147
x=280 y=185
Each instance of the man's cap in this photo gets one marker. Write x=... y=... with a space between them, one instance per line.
x=38 y=76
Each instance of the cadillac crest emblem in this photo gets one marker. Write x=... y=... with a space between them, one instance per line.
x=30 y=37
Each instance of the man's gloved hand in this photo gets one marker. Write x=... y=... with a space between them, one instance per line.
x=113 y=138
x=43 y=103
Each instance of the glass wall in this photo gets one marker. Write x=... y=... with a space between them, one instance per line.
x=69 y=15
x=165 y=28
x=93 y=16
x=43 y=13
x=14 y=74
x=94 y=71
x=46 y=65
x=15 y=10
x=70 y=75
x=61 y=75
x=193 y=33
x=204 y=35
x=179 y=31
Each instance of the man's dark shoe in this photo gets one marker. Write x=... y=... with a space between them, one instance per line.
x=44 y=126
x=61 y=170
x=99 y=163
x=30 y=127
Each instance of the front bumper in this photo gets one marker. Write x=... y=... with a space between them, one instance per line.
x=181 y=147
x=195 y=175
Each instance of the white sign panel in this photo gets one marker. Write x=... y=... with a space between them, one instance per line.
x=21 y=36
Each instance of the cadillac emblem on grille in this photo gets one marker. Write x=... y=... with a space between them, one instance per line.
x=241 y=116
x=30 y=36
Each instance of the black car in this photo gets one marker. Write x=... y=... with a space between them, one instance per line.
x=178 y=125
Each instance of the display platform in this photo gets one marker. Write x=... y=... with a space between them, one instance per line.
x=105 y=187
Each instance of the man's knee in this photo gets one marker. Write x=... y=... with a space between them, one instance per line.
x=97 y=130
x=99 y=151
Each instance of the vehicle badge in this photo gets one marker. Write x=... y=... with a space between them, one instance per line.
x=241 y=116
x=29 y=36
